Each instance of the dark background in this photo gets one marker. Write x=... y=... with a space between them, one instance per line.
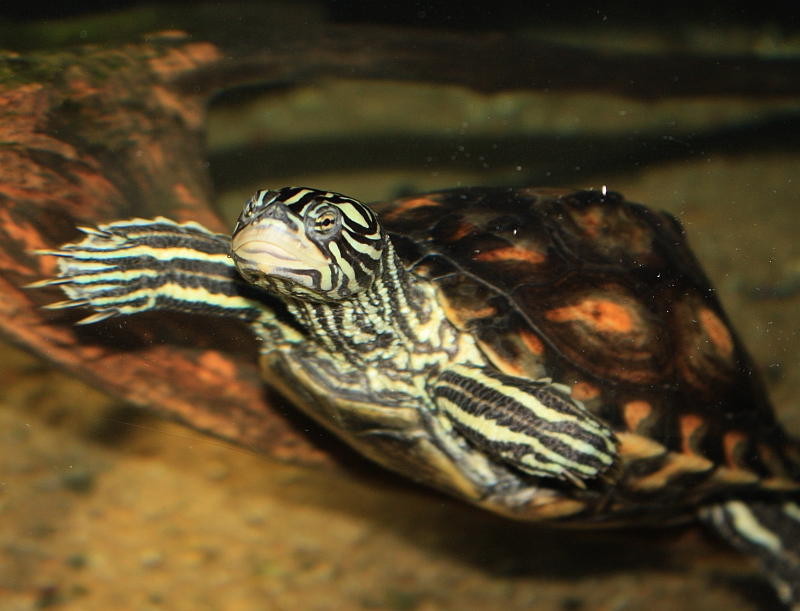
x=465 y=14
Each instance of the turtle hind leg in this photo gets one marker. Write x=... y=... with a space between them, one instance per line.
x=134 y=266
x=533 y=426
x=767 y=531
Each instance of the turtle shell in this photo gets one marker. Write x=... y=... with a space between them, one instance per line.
x=605 y=296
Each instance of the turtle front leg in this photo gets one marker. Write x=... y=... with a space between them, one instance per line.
x=534 y=426
x=139 y=265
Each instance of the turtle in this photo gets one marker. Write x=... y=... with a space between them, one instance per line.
x=546 y=354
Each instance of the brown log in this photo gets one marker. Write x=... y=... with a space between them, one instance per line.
x=91 y=135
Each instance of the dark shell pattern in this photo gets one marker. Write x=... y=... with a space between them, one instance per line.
x=605 y=296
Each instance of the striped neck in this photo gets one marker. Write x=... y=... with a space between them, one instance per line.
x=389 y=324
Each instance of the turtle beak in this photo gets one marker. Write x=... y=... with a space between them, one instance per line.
x=274 y=243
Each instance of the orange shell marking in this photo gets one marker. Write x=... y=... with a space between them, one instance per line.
x=690 y=425
x=460 y=317
x=483 y=312
x=532 y=342
x=584 y=391
x=731 y=443
x=511 y=253
x=635 y=412
x=717 y=332
x=464 y=229
x=411 y=204
x=603 y=316
x=675 y=465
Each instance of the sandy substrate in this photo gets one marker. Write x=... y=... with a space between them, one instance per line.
x=98 y=516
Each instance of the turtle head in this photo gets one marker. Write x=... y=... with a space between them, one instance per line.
x=308 y=244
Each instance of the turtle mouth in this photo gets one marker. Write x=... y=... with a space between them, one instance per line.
x=271 y=248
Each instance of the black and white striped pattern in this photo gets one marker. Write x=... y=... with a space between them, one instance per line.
x=140 y=265
x=352 y=245
x=366 y=311
x=531 y=425
x=768 y=531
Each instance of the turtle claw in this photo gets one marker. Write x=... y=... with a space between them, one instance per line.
x=51 y=253
x=95 y=232
x=98 y=317
x=41 y=284
x=66 y=305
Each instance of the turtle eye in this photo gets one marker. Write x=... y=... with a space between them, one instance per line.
x=249 y=207
x=326 y=221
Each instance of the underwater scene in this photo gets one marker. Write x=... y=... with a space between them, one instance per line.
x=160 y=460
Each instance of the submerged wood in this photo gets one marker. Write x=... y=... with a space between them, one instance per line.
x=91 y=135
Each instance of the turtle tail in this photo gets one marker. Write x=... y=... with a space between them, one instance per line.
x=767 y=531
x=139 y=265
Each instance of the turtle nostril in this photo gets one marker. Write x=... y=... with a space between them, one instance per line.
x=277 y=211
